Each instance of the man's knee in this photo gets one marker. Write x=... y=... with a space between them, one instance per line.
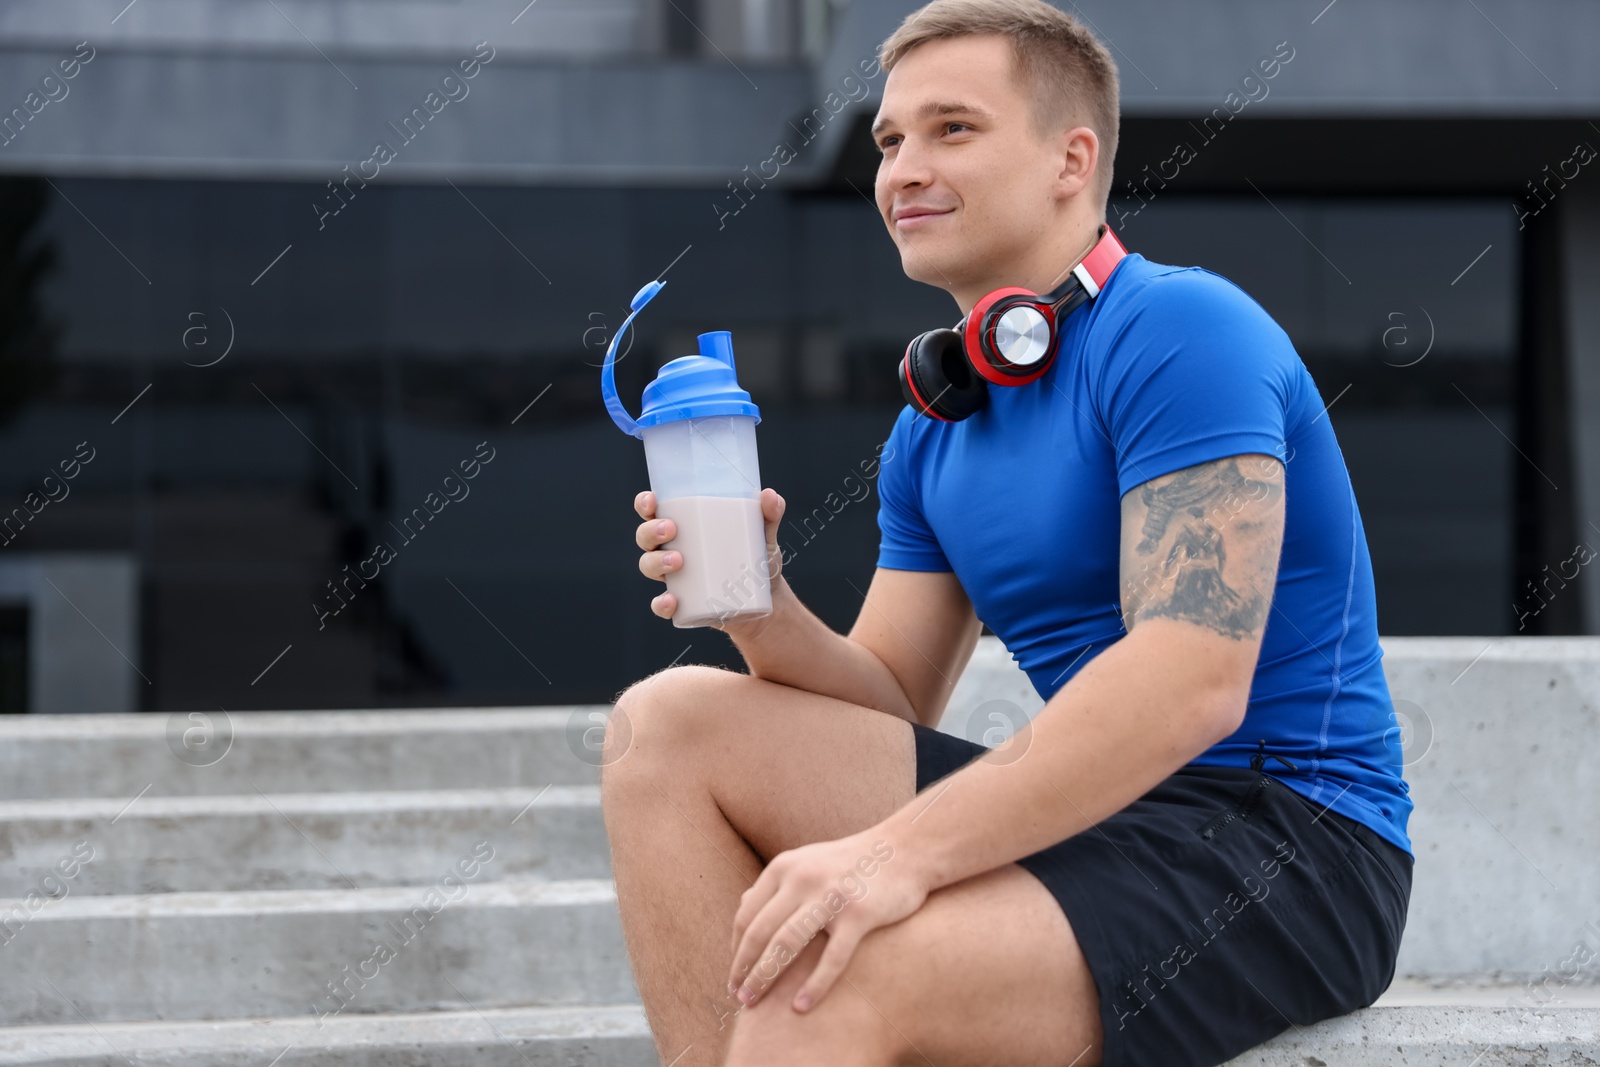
x=669 y=697
x=658 y=712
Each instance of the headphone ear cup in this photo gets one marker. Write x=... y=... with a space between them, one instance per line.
x=985 y=333
x=936 y=378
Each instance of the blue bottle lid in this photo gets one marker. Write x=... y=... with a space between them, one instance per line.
x=685 y=388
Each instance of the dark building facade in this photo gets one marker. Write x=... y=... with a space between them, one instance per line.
x=270 y=320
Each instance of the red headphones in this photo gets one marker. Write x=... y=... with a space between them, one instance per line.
x=1009 y=338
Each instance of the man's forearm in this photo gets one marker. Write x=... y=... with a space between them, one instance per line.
x=795 y=648
x=1125 y=722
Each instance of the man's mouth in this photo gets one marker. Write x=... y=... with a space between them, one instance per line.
x=918 y=218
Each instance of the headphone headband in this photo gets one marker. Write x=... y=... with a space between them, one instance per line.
x=1093 y=270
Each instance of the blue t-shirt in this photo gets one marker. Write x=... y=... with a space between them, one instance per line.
x=1167 y=368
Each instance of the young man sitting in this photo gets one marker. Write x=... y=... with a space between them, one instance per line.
x=1200 y=840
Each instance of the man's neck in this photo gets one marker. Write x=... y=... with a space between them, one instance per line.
x=1046 y=270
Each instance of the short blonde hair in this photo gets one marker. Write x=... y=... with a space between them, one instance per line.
x=1071 y=74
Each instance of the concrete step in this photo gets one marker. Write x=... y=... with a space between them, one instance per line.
x=617 y=1036
x=576 y=1036
x=1485 y=991
x=303 y=952
x=297 y=840
x=123 y=756
x=1437 y=1037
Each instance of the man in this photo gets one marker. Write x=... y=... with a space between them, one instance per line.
x=1162 y=531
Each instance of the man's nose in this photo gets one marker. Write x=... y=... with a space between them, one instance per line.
x=908 y=168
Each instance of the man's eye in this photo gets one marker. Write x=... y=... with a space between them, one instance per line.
x=889 y=141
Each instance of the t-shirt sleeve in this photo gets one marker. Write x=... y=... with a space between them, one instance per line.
x=907 y=542
x=1198 y=371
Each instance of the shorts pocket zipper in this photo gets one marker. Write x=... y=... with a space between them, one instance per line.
x=1248 y=805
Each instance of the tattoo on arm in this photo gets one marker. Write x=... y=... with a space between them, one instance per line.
x=1202 y=544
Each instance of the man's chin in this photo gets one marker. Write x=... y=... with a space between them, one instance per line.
x=922 y=266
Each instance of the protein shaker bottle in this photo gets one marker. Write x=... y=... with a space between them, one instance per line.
x=699 y=433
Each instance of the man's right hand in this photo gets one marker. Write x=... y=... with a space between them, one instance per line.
x=658 y=562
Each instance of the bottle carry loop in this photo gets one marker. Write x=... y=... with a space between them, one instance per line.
x=608 y=379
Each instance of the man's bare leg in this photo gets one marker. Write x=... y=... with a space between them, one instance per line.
x=692 y=753
x=988 y=971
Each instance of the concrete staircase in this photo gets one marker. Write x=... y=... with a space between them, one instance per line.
x=433 y=887
x=345 y=887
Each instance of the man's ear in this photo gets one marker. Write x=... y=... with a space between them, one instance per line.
x=1079 y=151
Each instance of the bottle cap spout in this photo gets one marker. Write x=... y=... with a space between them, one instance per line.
x=718 y=344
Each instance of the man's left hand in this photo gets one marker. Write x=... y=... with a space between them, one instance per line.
x=851 y=886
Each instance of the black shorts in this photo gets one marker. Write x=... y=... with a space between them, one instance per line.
x=1217 y=909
